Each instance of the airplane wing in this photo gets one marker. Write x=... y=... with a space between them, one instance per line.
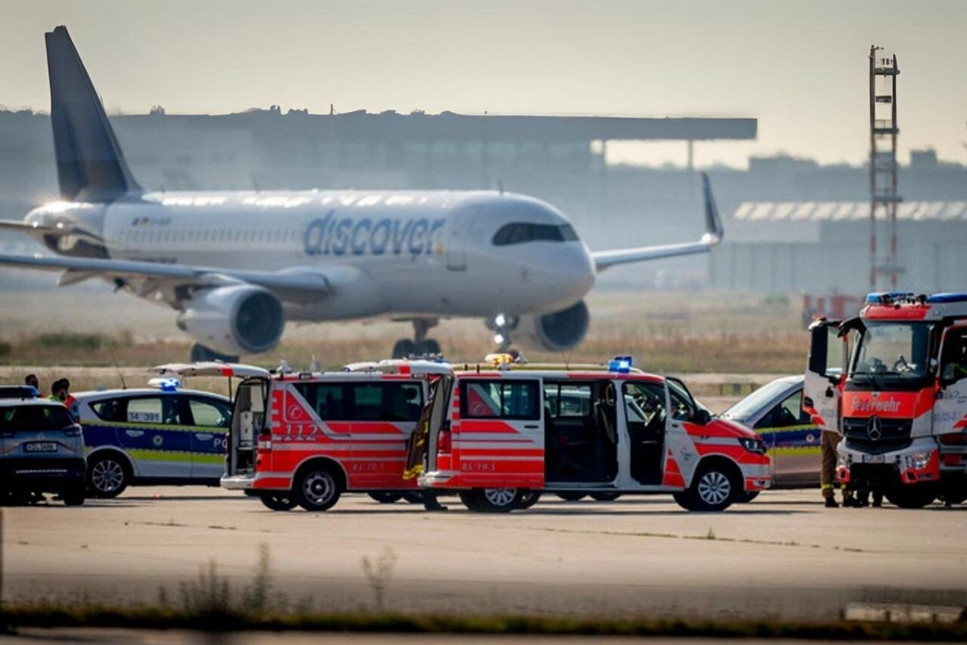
x=290 y=285
x=713 y=235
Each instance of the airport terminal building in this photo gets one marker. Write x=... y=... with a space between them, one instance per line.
x=790 y=224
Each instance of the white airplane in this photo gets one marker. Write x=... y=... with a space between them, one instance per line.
x=238 y=265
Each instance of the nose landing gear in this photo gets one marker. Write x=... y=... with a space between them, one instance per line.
x=502 y=327
x=420 y=345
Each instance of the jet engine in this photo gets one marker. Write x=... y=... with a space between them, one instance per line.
x=558 y=331
x=234 y=319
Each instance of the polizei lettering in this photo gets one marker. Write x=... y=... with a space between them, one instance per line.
x=331 y=235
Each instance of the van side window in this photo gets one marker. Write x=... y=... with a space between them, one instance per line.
x=499 y=399
x=368 y=401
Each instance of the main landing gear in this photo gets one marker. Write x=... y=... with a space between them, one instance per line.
x=201 y=354
x=420 y=345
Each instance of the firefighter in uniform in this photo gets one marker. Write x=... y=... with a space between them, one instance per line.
x=828 y=442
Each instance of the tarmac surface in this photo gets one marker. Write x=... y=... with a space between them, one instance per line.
x=782 y=555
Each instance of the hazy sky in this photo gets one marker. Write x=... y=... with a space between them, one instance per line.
x=800 y=67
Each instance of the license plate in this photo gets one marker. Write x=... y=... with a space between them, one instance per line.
x=41 y=446
x=874 y=459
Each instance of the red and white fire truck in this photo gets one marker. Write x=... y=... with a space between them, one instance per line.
x=499 y=434
x=303 y=438
x=899 y=397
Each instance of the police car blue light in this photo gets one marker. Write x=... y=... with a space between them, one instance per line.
x=166 y=384
x=621 y=364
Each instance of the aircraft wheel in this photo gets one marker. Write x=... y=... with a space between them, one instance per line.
x=404 y=348
x=429 y=346
x=201 y=354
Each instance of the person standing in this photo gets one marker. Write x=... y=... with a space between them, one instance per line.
x=60 y=391
x=34 y=382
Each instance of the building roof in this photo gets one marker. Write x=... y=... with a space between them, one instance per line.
x=845 y=211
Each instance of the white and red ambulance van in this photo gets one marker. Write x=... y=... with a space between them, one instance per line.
x=303 y=438
x=500 y=433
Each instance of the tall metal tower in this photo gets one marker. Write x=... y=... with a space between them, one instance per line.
x=883 y=165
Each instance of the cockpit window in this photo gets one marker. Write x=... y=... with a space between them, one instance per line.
x=519 y=232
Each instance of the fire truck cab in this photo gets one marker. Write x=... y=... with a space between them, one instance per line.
x=899 y=397
x=501 y=433
x=304 y=438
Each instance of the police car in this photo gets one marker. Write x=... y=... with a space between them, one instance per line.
x=41 y=449
x=774 y=412
x=156 y=435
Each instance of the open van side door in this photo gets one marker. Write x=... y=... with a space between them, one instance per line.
x=950 y=408
x=824 y=374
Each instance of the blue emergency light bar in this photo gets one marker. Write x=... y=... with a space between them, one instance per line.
x=889 y=297
x=621 y=364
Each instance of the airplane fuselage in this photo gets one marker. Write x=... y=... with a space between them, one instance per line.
x=397 y=253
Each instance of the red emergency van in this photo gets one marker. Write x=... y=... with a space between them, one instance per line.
x=501 y=433
x=303 y=438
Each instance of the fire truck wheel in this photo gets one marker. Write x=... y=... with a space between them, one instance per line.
x=318 y=488
x=714 y=488
x=605 y=497
x=745 y=498
x=496 y=500
x=912 y=496
x=527 y=498
x=413 y=496
x=386 y=496
x=283 y=502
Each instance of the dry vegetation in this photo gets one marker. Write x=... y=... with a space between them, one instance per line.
x=665 y=332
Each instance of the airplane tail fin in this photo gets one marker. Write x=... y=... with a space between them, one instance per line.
x=90 y=165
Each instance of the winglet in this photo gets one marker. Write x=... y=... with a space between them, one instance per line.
x=714 y=231
x=90 y=165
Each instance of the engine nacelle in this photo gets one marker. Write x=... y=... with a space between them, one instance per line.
x=556 y=332
x=236 y=319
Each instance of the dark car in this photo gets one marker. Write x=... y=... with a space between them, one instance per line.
x=41 y=450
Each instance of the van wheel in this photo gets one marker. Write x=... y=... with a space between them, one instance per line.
x=526 y=499
x=276 y=502
x=386 y=497
x=714 y=489
x=318 y=489
x=469 y=499
x=496 y=500
x=107 y=476
x=605 y=497
x=571 y=495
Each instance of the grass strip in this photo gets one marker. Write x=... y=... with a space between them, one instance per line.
x=13 y=617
